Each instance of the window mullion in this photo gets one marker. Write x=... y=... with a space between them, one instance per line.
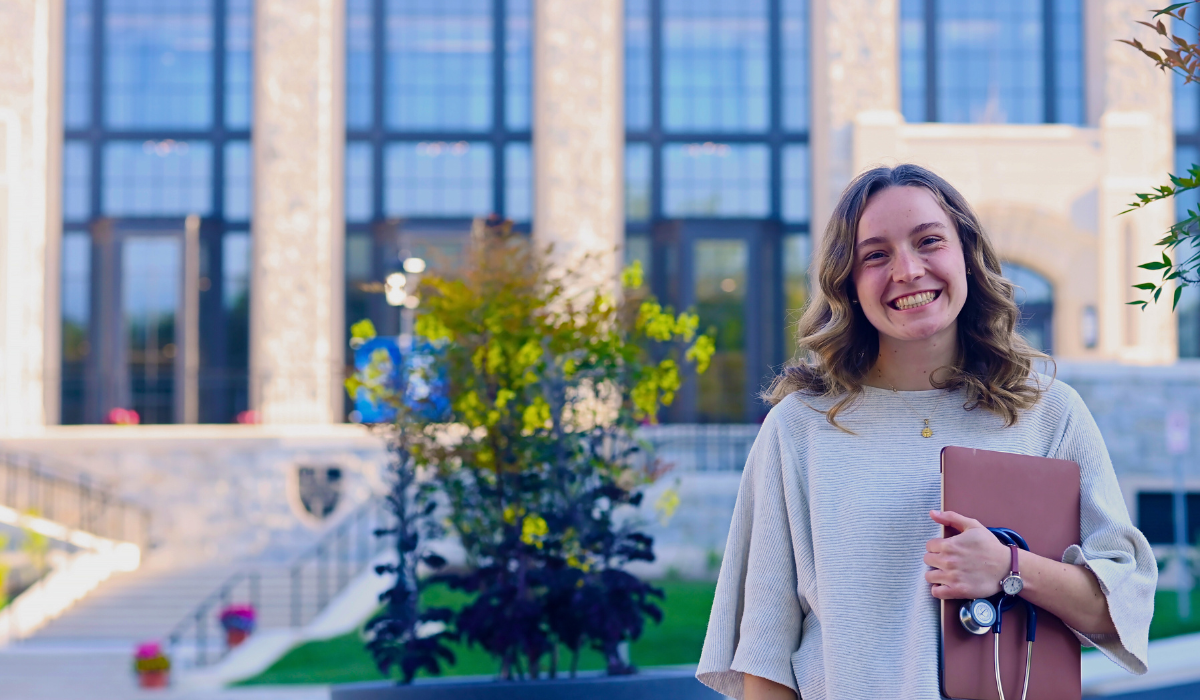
x=931 y=85
x=1049 y=78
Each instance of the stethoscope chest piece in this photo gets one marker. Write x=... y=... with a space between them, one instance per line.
x=978 y=616
x=981 y=616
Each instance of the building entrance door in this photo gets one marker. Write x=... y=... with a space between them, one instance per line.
x=729 y=273
x=145 y=306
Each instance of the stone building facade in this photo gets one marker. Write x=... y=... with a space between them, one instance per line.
x=1050 y=194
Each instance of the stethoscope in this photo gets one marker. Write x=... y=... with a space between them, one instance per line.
x=981 y=614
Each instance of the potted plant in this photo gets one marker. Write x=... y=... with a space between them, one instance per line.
x=151 y=665
x=238 y=623
x=519 y=410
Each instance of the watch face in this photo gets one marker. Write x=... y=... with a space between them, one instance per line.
x=1012 y=585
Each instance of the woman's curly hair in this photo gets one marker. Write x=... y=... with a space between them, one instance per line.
x=837 y=345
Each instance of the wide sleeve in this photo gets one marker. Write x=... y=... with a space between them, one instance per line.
x=1113 y=549
x=756 y=615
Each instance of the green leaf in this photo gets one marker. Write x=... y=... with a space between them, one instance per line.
x=1156 y=293
x=1171 y=8
x=1145 y=285
x=1175 y=301
x=1152 y=266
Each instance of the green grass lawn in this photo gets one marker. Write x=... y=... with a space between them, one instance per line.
x=342 y=659
x=676 y=641
x=1166 y=622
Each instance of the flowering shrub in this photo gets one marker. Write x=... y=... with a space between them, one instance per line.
x=149 y=658
x=530 y=443
x=238 y=617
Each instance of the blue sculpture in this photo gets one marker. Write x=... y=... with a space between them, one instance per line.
x=415 y=377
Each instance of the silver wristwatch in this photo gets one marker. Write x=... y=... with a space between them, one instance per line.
x=1013 y=584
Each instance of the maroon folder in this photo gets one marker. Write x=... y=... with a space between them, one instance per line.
x=1039 y=498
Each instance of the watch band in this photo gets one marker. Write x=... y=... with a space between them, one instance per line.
x=1014 y=569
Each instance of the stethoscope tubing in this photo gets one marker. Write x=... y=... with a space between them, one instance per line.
x=1011 y=538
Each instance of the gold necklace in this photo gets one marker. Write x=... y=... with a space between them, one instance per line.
x=926 y=432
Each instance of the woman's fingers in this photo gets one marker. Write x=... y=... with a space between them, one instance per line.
x=937 y=561
x=955 y=520
x=940 y=576
x=945 y=593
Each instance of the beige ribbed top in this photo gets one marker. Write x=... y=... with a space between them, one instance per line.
x=822 y=584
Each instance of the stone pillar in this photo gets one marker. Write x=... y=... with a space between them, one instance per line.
x=1131 y=101
x=579 y=128
x=297 y=307
x=855 y=69
x=31 y=48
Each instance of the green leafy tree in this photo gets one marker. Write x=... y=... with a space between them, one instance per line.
x=535 y=454
x=1181 y=57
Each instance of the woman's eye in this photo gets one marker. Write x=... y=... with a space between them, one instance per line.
x=930 y=239
x=877 y=255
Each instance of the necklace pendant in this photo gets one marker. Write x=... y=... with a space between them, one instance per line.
x=927 y=432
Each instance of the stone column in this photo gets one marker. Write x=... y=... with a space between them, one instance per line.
x=579 y=128
x=1131 y=101
x=855 y=70
x=297 y=307
x=31 y=48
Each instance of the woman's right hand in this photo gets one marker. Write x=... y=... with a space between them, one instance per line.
x=762 y=689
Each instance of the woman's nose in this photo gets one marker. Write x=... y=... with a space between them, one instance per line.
x=907 y=267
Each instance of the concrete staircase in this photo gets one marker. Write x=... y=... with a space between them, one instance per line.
x=156 y=601
x=149 y=603
x=136 y=606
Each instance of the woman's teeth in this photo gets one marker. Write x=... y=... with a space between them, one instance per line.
x=914 y=300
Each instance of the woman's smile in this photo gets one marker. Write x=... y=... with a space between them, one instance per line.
x=915 y=300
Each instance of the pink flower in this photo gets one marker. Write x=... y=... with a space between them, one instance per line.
x=148 y=650
x=122 y=416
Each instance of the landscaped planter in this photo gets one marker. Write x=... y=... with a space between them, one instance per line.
x=154 y=679
x=674 y=684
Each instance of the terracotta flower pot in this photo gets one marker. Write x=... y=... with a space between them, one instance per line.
x=154 y=679
x=234 y=637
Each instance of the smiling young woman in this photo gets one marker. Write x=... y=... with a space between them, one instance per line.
x=834 y=565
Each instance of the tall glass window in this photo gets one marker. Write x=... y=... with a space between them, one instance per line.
x=157 y=111
x=715 y=65
x=726 y=133
x=717 y=179
x=1187 y=155
x=438 y=132
x=977 y=61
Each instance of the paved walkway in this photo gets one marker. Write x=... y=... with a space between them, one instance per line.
x=99 y=672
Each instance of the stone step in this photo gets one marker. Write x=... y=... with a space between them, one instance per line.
x=151 y=602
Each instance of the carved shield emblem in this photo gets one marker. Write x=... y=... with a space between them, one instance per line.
x=319 y=489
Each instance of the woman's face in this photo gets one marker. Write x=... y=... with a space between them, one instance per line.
x=909 y=272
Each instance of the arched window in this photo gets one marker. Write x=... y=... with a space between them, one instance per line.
x=1035 y=296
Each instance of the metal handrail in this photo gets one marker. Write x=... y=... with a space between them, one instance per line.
x=72 y=502
x=363 y=522
x=359 y=526
x=198 y=618
x=712 y=447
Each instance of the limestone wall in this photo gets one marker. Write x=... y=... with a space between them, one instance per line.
x=217 y=493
